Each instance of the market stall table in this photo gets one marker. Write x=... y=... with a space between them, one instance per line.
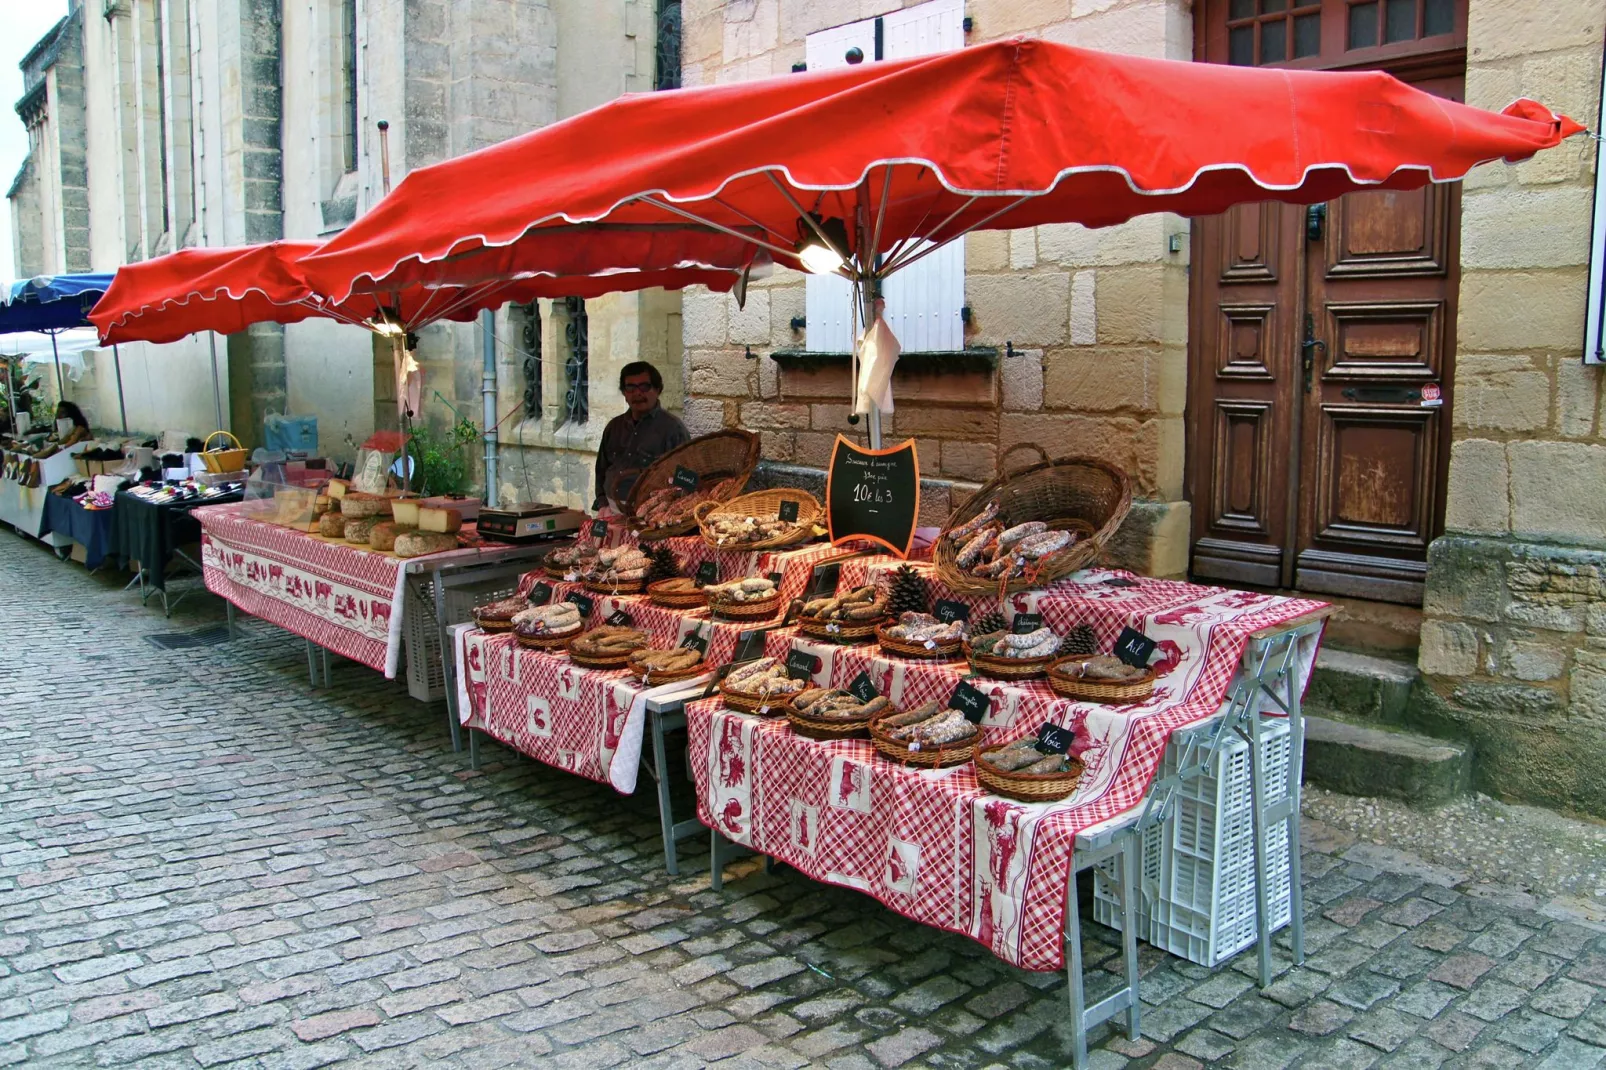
x=93 y=529
x=153 y=534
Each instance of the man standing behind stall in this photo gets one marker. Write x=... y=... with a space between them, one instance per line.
x=636 y=437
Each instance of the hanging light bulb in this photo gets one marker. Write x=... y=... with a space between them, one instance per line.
x=818 y=257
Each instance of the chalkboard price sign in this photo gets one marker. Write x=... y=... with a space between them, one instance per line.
x=948 y=611
x=1026 y=622
x=685 y=478
x=1052 y=739
x=788 y=512
x=599 y=529
x=695 y=641
x=582 y=603
x=707 y=573
x=862 y=688
x=823 y=581
x=1134 y=648
x=969 y=701
x=619 y=619
x=873 y=495
x=540 y=594
x=800 y=665
x=749 y=645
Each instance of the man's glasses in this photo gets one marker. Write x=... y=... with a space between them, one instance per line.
x=636 y=388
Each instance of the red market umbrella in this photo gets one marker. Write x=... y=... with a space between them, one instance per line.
x=871 y=161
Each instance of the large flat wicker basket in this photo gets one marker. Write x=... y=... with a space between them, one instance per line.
x=1073 y=493
x=763 y=505
x=721 y=455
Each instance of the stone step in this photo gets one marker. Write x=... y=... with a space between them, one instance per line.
x=1362 y=760
x=1361 y=687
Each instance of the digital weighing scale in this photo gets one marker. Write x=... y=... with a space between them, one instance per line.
x=528 y=521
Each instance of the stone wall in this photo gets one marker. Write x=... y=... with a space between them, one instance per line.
x=1514 y=641
x=1098 y=318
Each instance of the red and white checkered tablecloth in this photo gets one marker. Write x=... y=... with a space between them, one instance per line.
x=585 y=721
x=931 y=844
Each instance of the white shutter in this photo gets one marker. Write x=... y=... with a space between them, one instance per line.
x=828 y=299
x=924 y=299
x=1595 y=300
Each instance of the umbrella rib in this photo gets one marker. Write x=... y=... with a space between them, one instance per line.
x=931 y=237
x=806 y=216
x=467 y=296
x=934 y=246
x=738 y=212
x=684 y=214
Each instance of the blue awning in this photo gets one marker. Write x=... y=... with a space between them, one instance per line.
x=51 y=302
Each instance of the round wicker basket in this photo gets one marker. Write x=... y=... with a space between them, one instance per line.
x=493 y=625
x=1036 y=787
x=944 y=650
x=605 y=586
x=1077 y=494
x=931 y=757
x=675 y=599
x=721 y=455
x=765 y=705
x=760 y=610
x=654 y=678
x=555 y=573
x=826 y=731
x=1064 y=679
x=1006 y=668
x=547 y=642
x=613 y=661
x=764 y=505
x=839 y=631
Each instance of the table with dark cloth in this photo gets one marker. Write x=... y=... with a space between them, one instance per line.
x=149 y=533
x=93 y=529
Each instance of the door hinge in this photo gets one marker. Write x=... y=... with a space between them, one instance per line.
x=1315 y=222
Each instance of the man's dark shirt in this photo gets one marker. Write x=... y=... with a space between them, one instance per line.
x=629 y=446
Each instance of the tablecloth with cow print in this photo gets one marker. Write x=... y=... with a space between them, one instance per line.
x=931 y=844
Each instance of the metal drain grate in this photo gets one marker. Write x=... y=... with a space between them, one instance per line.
x=186 y=640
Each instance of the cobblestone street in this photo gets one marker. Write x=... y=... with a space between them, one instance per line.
x=205 y=863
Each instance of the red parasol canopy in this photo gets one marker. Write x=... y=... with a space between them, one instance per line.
x=1007 y=134
x=228 y=289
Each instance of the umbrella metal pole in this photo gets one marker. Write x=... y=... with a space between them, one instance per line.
x=217 y=391
x=122 y=407
x=61 y=389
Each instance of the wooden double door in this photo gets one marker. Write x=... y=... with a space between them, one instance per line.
x=1321 y=361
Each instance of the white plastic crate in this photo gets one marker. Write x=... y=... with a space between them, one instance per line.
x=426 y=678
x=1197 y=889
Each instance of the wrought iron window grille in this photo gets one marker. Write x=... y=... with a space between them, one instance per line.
x=532 y=360
x=577 y=333
x=667 y=50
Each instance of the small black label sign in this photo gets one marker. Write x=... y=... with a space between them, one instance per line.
x=862 y=688
x=970 y=702
x=695 y=641
x=823 y=581
x=619 y=619
x=1134 y=648
x=685 y=478
x=749 y=645
x=599 y=529
x=789 y=512
x=1119 y=581
x=800 y=665
x=775 y=578
x=1052 y=739
x=581 y=602
x=949 y=611
x=540 y=594
x=707 y=573
x=1026 y=622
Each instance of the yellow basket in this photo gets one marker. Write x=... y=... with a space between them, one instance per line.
x=224 y=460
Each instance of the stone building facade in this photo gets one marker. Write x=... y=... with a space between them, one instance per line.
x=1476 y=534
x=162 y=124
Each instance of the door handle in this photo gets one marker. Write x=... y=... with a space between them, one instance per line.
x=1307 y=357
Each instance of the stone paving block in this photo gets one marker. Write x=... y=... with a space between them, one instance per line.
x=1454 y=1030
x=1462 y=971
x=1362 y=990
x=1321 y=1018
x=1383 y=1028
x=1425 y=999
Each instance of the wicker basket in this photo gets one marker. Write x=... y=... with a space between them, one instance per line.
x=1035 y=787
x=764 y=505
x=612 y=587
x=765 y=705
x=224 y=460
x=658 y=677
x=721 y=455
x=555 y=573
x=1071 y=685
x=1006 y=668
x=930 y=757
x=493 y=625
x=612 y=661
x=547 y=642
x=826 y=731
x=836 y=631
x=676 y=599
x=760 y=610
x=944 y=650
x=1077 y=494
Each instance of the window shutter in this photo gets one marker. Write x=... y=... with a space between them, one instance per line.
x=1595 y=311
x=828 y=299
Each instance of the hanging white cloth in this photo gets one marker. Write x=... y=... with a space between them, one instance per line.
x=878 y=354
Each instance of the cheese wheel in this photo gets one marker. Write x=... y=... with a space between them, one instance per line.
x=442 y=521
x=405 y=511
x=383 y=535
x=419 y=543
x=332 y=526
x=338 y=488
x=359 y=505
x=358 y=530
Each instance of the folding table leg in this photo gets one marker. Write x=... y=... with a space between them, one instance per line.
x=326 y=678
x=666 y=807
x=473 y=749
x=716 y=868
x=1125 y=847
x=312 y=665
x=229 y=606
